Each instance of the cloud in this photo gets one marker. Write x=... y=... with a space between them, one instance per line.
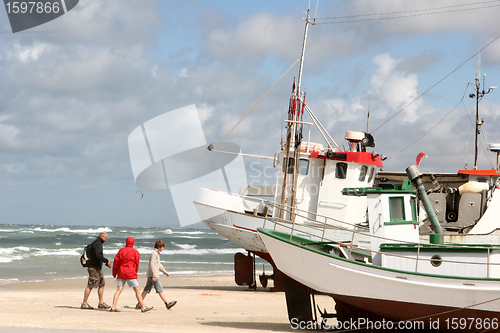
x=255 y=38
x=72 y=90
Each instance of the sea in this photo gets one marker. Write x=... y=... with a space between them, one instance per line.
x=30 y=253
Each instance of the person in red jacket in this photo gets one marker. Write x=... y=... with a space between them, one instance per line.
x=125 y=267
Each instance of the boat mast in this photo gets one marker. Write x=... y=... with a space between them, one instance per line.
x=479 y=123
x=292 y=137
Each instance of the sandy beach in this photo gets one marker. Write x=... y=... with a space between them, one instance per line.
x=205 y=304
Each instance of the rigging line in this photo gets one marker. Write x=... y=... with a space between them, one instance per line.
x=432 y=87
x=405 y=11
x=257 y=103
x=461 y=101
x=425 y=132
x=407 y=16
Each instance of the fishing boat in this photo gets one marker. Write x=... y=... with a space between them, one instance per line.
x=310 y=178
x=392 y=276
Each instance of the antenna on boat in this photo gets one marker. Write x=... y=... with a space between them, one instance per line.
x=368 y=115
x=478 y=96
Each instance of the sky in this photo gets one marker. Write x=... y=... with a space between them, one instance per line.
x=72 y=90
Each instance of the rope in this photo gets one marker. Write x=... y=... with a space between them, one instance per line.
x=412 y=13
x=461 y=101
x=425 y=92
x=257 y=103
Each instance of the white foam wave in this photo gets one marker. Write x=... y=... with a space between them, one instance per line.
x=201 y=251
x=56 y=252
x=8 y=281
x=79 y=231
x=11 y=250
x=191 y=232
x=189 y=237
x=185 y=246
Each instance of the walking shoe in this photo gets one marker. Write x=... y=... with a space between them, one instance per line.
x=137 y=306
x=169 y=305
x=114 y=310
x=147 y=308
x=86 y=306
x=103 y=306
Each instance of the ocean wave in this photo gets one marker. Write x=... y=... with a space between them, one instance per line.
x=189 y=237
x=185 y=246
x=11 y=250
x=5 y=260
x=200 y=251
x=191 y=232
x=9 y=281
x=79 y=231
x=56 y=252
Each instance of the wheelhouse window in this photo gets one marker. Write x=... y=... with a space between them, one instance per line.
x=362 y=173
x=396 y=207
x=372 y=175
x=413 y=201
x=303 y=166
x=290 y=165
x=341 y=170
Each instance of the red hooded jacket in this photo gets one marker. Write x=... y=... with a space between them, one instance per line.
x=126 y=263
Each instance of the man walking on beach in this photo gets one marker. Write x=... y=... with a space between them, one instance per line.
x=125 y=267
x=96 y=278
x=153 y=274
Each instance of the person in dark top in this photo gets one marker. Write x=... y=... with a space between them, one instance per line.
x=96 y=278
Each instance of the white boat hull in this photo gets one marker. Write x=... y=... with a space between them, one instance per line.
x=235 y=227
x=392 y=294
x=231 y=216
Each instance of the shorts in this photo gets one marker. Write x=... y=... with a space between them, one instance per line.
x=131 y=283
x=96 y=278
x=151 y=283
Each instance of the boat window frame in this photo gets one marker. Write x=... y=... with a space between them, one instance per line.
x=301 y=167
x=413 y=202
x=372 y=174
x=401 y=201
x=362 y=173
x=338 y=168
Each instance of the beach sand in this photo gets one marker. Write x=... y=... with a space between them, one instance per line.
x=205 y=304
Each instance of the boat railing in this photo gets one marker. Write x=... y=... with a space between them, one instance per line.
x=352 y=239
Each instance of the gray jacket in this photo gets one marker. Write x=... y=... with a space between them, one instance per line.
x=155 y=266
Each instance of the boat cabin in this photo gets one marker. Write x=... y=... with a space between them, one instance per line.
x=392 y=214
x=323 y=174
